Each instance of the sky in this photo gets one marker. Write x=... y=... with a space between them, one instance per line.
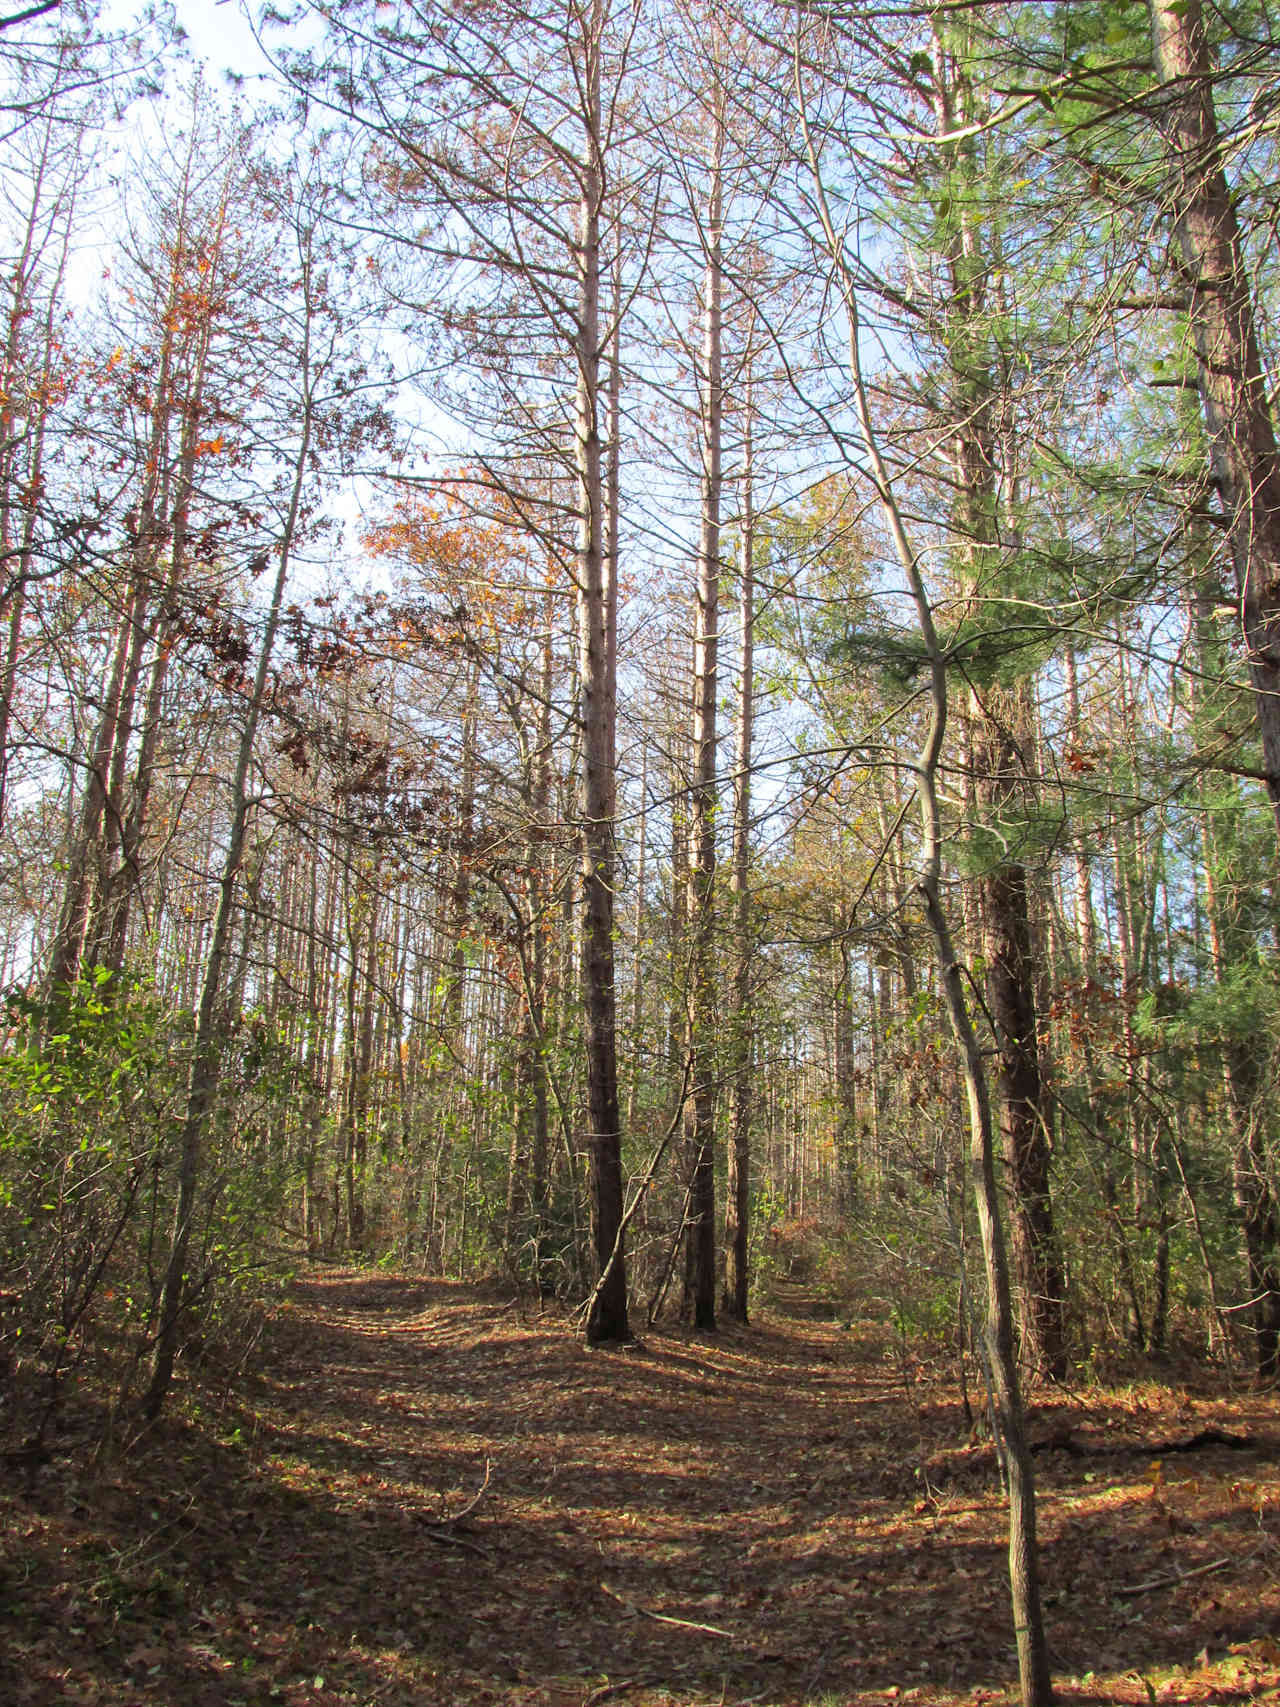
x=218 y=33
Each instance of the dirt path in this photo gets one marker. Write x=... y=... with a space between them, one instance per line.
x=768 y=1517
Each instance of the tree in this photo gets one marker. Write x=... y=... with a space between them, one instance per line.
x=311 y=340
x=700 y=1266
x=1246 y=469
x=737 y=1230
x=1221 y=320
x=196 y=279
x=999 y=716
x=512 y=167
x=1033 y=1659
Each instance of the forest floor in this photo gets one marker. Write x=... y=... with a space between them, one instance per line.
x=781 y=1515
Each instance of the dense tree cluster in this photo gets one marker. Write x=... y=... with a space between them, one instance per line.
x=794 y=731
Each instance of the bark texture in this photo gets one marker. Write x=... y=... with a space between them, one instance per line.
x=700 y=1249
x=597 y=595
x=1233 y=392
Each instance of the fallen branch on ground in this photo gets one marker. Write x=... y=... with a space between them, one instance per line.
x=607 y=1689
x=443 y=1537
x=1145 y=1449
x=472 y=1503
x=665 y=1618
x=440 y=1528
x=1173 y=1580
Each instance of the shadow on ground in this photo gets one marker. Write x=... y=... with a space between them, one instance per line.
x=767 y=1516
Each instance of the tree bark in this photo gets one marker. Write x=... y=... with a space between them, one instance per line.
x=1233 y=391
x=700 y=1248
x=1010 y=986
x=597 y=596
x=742 y=1100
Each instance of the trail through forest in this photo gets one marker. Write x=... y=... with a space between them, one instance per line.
x=790 y=1514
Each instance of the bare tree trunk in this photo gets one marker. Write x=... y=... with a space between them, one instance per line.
x=738 y=1188
x=846 y=1110
x=597 y=598
x=638 y=929
x=700 y=1249
x=1233 y=389
x=1085 y=920
x=1011 y=978
x=543 y=899
x=362 y=946
x=1243 y=1071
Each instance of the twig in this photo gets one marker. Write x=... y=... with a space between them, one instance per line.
x=472 y=1503
x=475 y=1499
x=1174 y=1580
x=444 y=1539
x=439 y=1529
x=665 y=1618
x=607 y=1689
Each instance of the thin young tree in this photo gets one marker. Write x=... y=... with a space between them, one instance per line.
x=1024 y=1568
x=311 y=347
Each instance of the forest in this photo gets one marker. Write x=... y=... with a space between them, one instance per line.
x=640 y=695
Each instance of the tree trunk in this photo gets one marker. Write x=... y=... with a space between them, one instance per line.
x=1233 y=389
x=700 y=1249
x=597 y=595
x=738 y=1187
x=998 y=723
x=1011 y=975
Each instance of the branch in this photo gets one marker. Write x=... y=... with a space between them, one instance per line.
x=473 y=1502
x=1172 y=1580
x=441 y=1529
x=25 y=17
x=665 y=1618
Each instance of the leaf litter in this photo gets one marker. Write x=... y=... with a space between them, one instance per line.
x=426 y=1496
